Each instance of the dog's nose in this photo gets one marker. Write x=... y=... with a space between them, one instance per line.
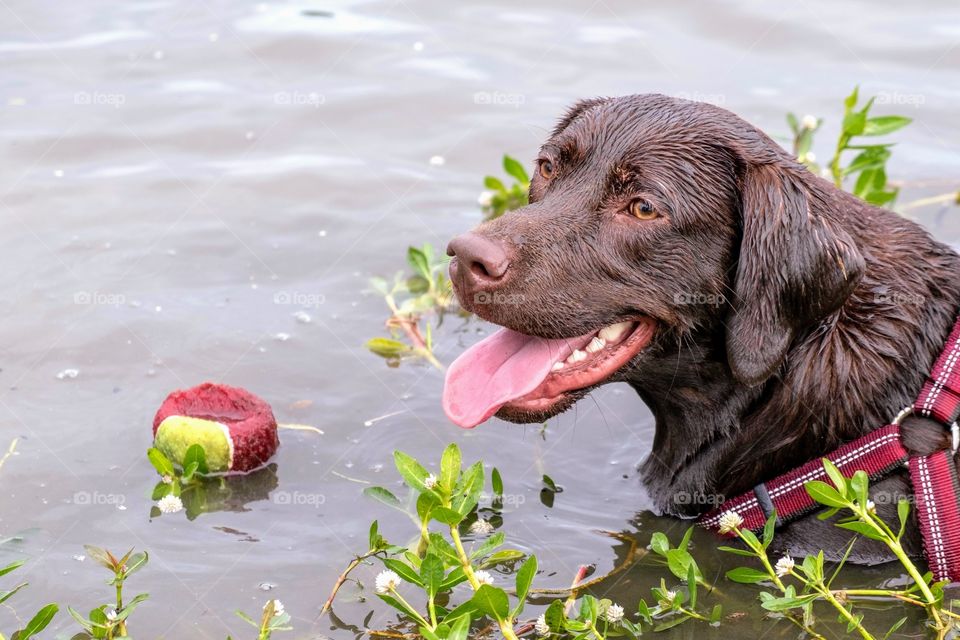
x=484 y=259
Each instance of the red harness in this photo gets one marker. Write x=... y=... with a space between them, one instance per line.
x=880 y=452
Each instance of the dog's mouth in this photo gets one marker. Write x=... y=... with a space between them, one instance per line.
x=525 y=375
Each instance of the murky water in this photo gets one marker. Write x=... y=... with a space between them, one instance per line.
x=200 y=190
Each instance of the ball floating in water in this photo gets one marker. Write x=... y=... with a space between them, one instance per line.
x=236 y=429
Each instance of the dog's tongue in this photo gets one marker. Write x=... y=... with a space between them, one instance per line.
x=496 y=370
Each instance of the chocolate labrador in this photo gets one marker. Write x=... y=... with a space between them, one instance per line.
x=764 y=316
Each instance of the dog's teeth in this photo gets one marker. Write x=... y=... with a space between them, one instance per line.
x=596 y=344
x=557 y=366
x=577 y=356
x=615 y=331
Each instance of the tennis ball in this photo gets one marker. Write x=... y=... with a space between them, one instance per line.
x=236 y=429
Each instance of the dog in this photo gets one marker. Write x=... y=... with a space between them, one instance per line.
x=764 y=315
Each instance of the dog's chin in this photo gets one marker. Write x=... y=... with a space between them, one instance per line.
x=520 y=412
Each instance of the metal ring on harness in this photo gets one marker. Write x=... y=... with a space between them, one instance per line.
x=954 y=428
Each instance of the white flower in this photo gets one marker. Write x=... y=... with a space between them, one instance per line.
x=430 y=481
x=810 y=156
x=668 y=598
x=541 y=627
x=485 y=199
x=170 y=504
x=481 y=527
x=387 y=581
x=871 y=507
x=277 y=607
x=167 y=479
x=730 y=521
x=483 y=577
x=809 y=122
x=784 y=566
x=614 y=614
x=111 y=614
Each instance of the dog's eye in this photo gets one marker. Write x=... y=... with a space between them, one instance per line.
x=545 y=168
x=643 y=210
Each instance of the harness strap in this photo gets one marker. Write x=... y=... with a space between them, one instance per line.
x=940 y=397
x=877 y=453
x=936 y=487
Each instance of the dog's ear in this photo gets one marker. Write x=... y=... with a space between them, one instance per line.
x=795 y=266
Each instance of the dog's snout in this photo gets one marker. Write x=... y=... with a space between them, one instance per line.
x=483 y=259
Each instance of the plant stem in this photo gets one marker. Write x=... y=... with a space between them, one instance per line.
x=505 y=624
x=420 y=619
x=343 y=578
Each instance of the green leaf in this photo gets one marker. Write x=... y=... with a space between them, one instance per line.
x=446 y=516
x=860 y=483
x=787 y=603
x=494 y=184
x=492 y=601
x=160 y=462
x=549 y=484
x=387 y=347
x=679 y=562
x=390 y=600
x=554 y=616
x=746 y=575
x=459 y=628
x=13 y=566
x=769 y=528
x=383 y=495
x=100 y=556
x=412 y=471
x=418 y=262
x=496 y=481
x=443 y=549
x=450 y=467
x=854 y=123
x=525 y=576
x=851 y=101
x=506 y=555
x=489 y=545
x=685 y=540
x=882 y=125
x=896 y=627
x=862 y=528
x=196 y=455
x=739 y=552
x=515 y=170
x=838 y=479
x=431 y=573
x=83 y=622
x=692 y=584
x=903 y=512
x=824 y=494
x=6 y=595
x=37 y=623
x=403 y=570
x=659 y=543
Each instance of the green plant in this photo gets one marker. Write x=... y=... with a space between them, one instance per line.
x=446 y=507
x=110 y=620
x=179 y=486
x=427 y=290
x=39 y=621
x=814 y=583
x=869 y=165
x=274 y=618
x=500 y=198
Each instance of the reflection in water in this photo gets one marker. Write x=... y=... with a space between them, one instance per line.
x=226 y=492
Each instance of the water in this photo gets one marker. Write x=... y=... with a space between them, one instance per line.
x=200 y=190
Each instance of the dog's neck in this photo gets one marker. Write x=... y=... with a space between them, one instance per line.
x=716 y=437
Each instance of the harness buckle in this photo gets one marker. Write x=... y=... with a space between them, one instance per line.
x=954 y=428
